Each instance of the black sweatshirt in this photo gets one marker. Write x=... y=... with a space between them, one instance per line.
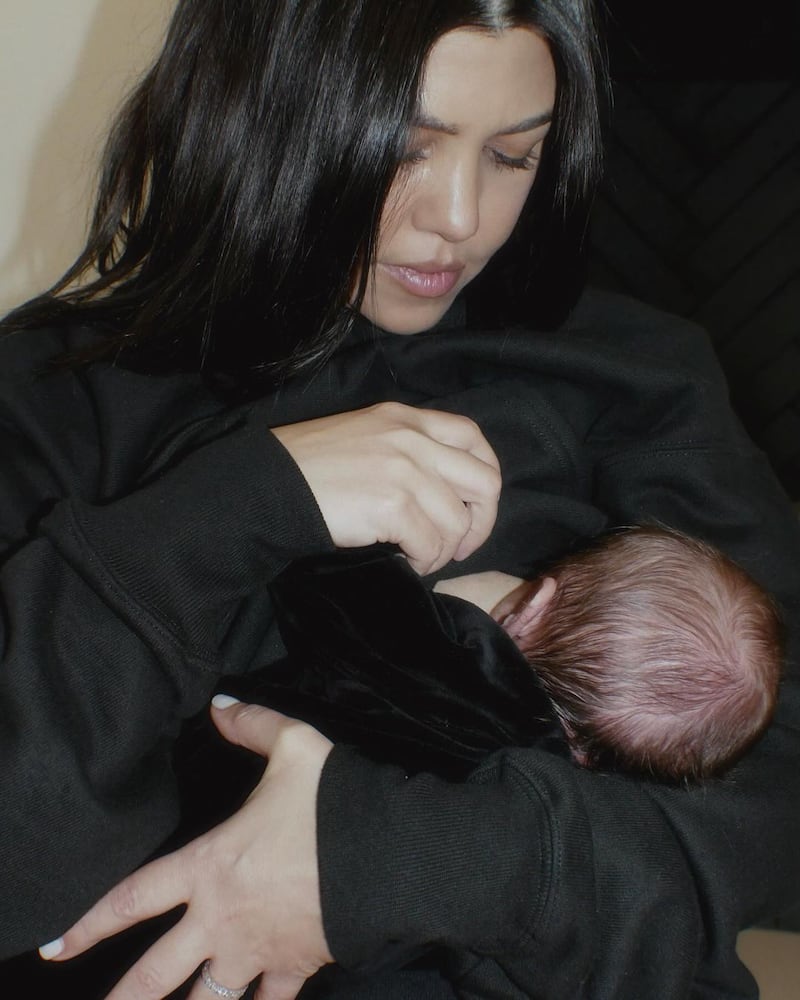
x=142 y=521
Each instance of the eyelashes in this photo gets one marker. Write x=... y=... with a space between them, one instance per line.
x=413 y=157
x=500 y=160
x=527 y=162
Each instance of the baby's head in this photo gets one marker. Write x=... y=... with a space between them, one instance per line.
x=660 y=655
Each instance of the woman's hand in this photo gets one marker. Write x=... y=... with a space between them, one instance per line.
x=251 y=884
x=426 y=480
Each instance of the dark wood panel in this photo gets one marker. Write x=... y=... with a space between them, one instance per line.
x=700 y=214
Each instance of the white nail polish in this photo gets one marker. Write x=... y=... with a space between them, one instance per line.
x=52 y=949
x=224 y=701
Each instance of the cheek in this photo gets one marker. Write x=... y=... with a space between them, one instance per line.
x=395 y=213
x=501 y=209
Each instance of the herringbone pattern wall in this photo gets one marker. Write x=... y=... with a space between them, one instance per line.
x=700 y=214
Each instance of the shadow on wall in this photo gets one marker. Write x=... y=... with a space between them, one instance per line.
x=120 y=38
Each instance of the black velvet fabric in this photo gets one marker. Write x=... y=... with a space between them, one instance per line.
x=420 y=679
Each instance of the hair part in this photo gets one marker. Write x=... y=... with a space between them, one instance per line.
x=661 y=655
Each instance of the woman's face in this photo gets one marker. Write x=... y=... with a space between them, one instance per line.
x=485 y=108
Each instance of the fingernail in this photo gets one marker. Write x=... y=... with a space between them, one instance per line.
x=224 y=701
x=52 y=949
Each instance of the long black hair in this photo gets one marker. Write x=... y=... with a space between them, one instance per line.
x=243 y=182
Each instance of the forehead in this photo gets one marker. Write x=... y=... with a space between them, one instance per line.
x=480 y=79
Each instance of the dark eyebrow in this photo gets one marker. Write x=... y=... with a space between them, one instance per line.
x=527 y=125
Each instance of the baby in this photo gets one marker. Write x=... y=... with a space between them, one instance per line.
x=651 y=652
x=658 y=653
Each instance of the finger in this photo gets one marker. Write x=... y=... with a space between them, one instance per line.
x=484 y=515
x=263 y=730
x=225 y=975
x=169 y=962
x=429 y=522
x=461 y=499
x=277 y=987
x=421 y=543
x=254 y=727
x=473 y=474
x=478 y=485
x=157 y=887
x=470 y=476
x=475 y=483
x=459 y=432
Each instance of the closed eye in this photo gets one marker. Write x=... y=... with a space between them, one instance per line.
x=414 y=156
x=505 y=162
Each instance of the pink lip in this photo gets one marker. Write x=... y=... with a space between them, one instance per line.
x=429 y=281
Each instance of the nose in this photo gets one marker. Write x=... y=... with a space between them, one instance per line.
x=449 y=203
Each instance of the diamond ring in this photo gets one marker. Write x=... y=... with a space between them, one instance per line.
x=217 y=988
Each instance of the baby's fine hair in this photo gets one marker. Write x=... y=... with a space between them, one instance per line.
x=661 y=656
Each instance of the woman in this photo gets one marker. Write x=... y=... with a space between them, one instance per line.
x=284 y=168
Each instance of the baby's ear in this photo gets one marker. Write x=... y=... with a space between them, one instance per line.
x=526 y=617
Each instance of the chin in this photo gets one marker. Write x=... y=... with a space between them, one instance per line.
x=408 y=319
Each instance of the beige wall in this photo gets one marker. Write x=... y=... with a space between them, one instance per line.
x=774 y=959
x=64 y=66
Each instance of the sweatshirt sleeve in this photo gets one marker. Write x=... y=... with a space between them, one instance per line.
x=549 y=880
x=138 y=518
